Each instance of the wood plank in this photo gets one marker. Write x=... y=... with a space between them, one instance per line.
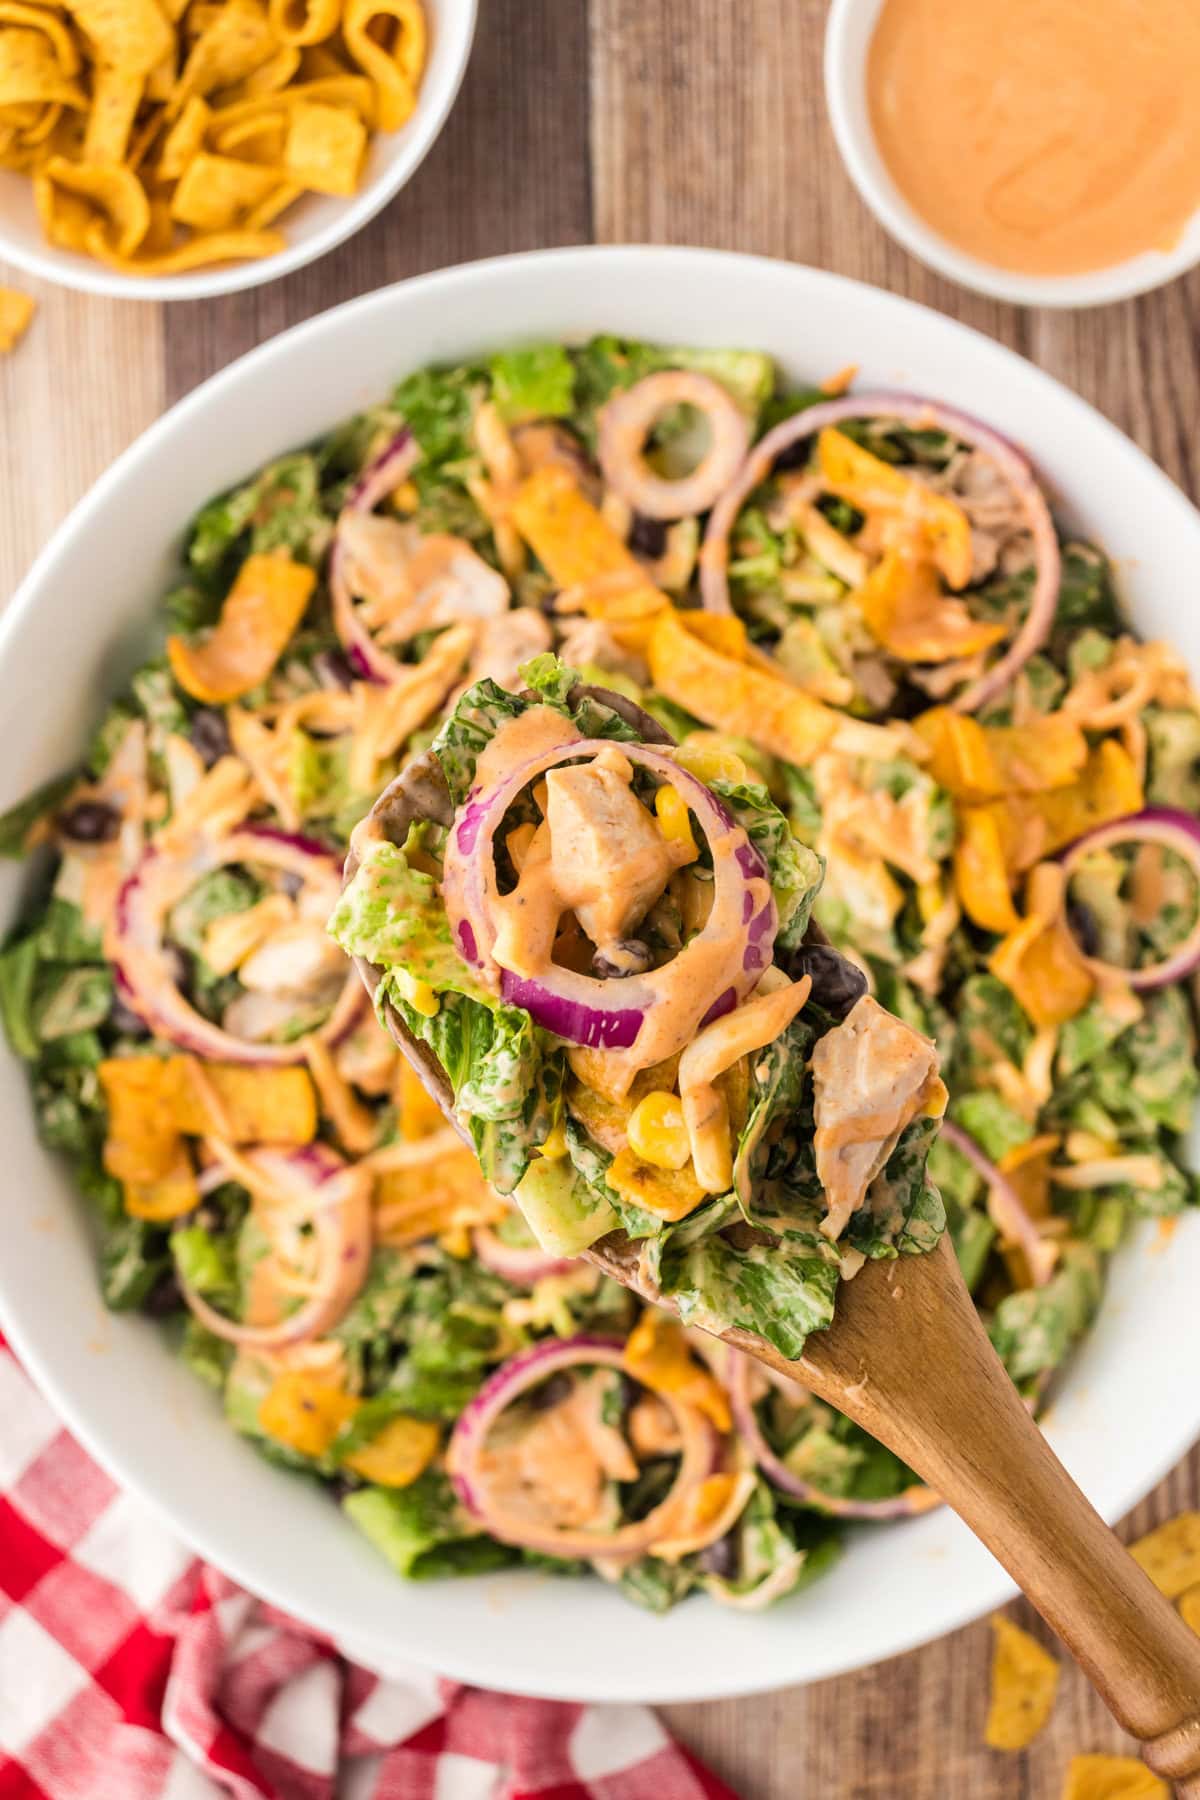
x=709 y=127
x=508 y=173
x=85 y=379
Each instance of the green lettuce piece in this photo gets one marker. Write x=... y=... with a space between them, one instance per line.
x=469 y=730
x=607 y=364
x=159 y=699
x=422 y=1531
x=206 y=1355
x=71 y=1000
x=534 y=383
x=795 y=871
x=781 y=1294
x=19 y=820
x=393 y=915
x=18 y=975
x=1173 y=777
x=205 y=1263
x=656 y=1585
x=1032 y=1330
x=63 y=936
x=777 y=1551
x=990 y=1020
x=133 y=1257
x=564 y=1211
x=213 y=897
x=903 y=1214
x=279 y=509
x=992 y=1122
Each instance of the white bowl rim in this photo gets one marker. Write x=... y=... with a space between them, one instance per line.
x=844 y=62
x=467 y=1663
x=421 y=132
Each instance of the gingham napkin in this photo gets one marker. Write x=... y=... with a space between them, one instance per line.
x=130 y=1671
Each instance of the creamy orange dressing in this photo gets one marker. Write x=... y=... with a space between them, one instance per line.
x=1051 y=136
x=683 y=989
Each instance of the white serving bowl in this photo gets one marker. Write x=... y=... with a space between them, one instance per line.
x=848 y=35
x=1127 y=1413
x=315 y=224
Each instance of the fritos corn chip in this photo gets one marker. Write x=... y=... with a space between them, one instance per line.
x=1024 y=1683
x=1112 y=1778
x=168 y=135
x=16 y=310
x=387 y=39
x=260 y=613
x=1170 y=1555
x=325 y=148
x=1189 y=1608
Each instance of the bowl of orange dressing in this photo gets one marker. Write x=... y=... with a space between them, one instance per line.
x=1042 y=151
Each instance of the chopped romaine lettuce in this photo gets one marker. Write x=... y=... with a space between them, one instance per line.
x=535 y=383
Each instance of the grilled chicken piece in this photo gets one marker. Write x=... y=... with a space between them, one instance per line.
x=872 y=1076
x=610 y=861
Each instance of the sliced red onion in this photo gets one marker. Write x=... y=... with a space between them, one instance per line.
x=380 y=478
x=522 y=1265
x=519 y=1376
x=1005 y=1206
x=135 y=946
x=1172 y=830
x=583 y=1009
x=627 y=420
x=909 y=409
x=339 y=1198
x=916 y=1499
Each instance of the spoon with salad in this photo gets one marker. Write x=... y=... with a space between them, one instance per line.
x=595 y=948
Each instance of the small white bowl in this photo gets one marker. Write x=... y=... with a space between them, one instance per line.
x=847 y=39
x=315 y=224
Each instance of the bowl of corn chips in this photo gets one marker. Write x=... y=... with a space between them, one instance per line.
x=176 y=149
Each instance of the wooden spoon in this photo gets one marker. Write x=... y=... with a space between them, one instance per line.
x=908 y=1359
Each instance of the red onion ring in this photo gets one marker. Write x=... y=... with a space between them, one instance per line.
x=1173 y=830
x=378 y=479
x=626 y=421
x=342 y=1226
x=583 y=1009
x=517 y=1377
x=522 y=1267
x=909 y=409
x=913 y=1500
x=134 y=942
x=1005 y=1205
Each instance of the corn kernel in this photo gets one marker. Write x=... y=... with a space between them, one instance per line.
x=405 y=498
x=673 y=820
x=419 y=995
x=456 y=1242
x=556 y=1144
x=930 y=900
x=709 y=762
x=656 y=1131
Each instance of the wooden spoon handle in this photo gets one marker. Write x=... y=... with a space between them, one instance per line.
x=942 y=1401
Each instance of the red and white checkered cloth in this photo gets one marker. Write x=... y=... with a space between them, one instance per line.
x=130 y=1671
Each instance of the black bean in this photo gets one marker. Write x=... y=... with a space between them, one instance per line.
x=836 y=982
x=634 y=959
x=341 y=1485
x=551 y=1393
x=209 y=734
x=90 y=822
x=647 y=537
x=164 y=1298
x=796 y=455
x=721 y=1558
x=332 y=669
x=1083 y=927
x=124 y=1020
x=292 y=884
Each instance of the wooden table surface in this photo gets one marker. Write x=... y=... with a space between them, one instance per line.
x=666 y=121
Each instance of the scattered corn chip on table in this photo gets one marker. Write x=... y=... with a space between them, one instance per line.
x=733 y=150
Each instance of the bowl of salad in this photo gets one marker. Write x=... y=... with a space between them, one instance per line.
x=755 y=740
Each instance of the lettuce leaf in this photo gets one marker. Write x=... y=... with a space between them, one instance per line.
x=534 y=383
x=780 y=1293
